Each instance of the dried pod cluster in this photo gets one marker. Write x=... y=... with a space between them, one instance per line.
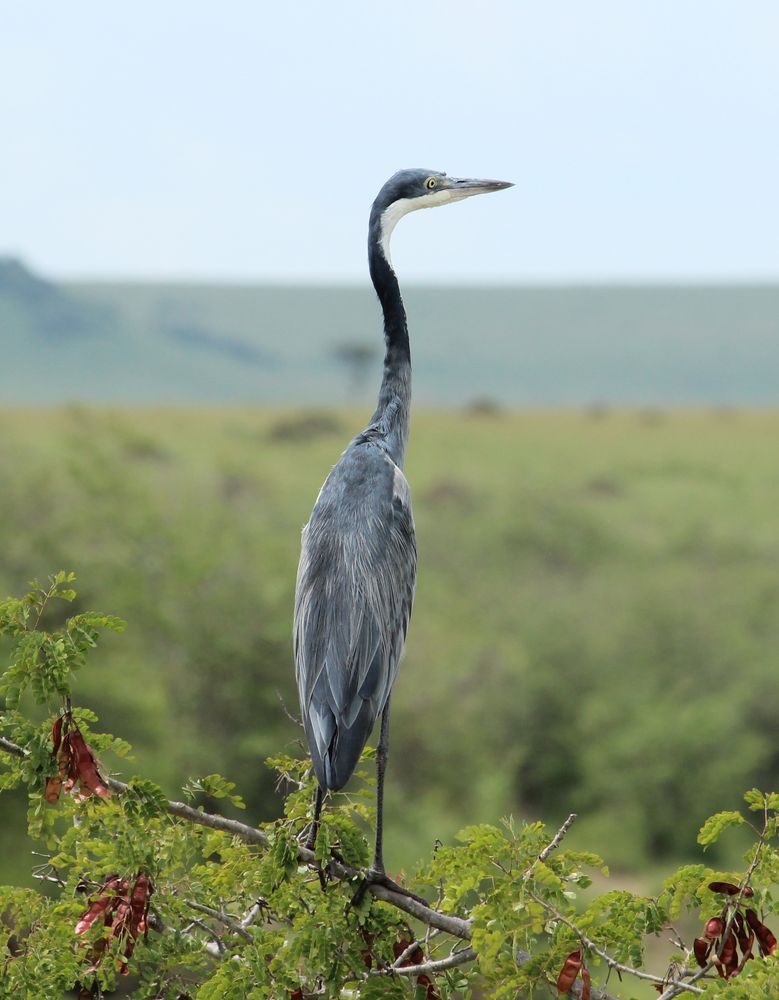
x=75 y=763
x=721 y=944
x=572 y=969
x=124 y=913
x=416 y=957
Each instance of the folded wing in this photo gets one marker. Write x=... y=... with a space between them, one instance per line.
x=355 y=590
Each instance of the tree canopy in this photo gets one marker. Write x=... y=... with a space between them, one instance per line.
x=168 y=899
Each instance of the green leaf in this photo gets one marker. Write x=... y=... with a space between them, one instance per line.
x=684 y=888
x=715 y=825
x=143 y=799
x=759 y=801
x=285 y=854
x=215 y=786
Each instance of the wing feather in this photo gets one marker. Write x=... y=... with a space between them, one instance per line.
x=354 y=595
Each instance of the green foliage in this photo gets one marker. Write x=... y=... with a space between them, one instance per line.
x=715 y=825
x=762 y=982
x=45 y=661
x=216 y=787
x=650 y=536
x=229 y=918
x=685 y=888
x=760 y=801
x=143 y=799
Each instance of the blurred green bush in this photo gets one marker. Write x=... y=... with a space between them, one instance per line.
x=595 y=630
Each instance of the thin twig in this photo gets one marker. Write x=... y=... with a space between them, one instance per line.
x=611 y=962
x=47 y=877
x=430 y=932
x=675 y=988
x=251 y=914
x=398 y=963
x=456 y=926
x=220 y=945
x=287 y=712
x=552 y=845
x=222 y=917
x=439 y=965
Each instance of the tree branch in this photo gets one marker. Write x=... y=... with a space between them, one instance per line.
x=398 y=963
x=457 y=927
x=674 y=989
x=596 y=949
x=437 y=965
x=216 y=946
x=553 y=844
x=11 y=748
x=224 y=918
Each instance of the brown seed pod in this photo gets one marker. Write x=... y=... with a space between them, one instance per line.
x=88 y=776
x=96 y=909
x=56 y=736
x=51 y=792
x=713 y=928
x=729 y=889
x=745 y=940
x=765 y=938
x=570 y=970
x=701 y=948
x=585 y=983
x=729 y=956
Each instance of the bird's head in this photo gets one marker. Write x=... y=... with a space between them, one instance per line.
x=408 y=190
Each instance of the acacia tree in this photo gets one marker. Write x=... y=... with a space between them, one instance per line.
x=186 y=903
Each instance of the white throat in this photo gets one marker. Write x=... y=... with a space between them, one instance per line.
x=392 y=215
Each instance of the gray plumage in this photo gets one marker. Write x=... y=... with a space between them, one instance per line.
x=354 y=594
x=357 y=571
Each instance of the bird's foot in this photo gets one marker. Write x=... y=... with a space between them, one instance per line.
x=374 y=876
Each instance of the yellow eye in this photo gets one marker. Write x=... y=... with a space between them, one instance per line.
x=430 y=183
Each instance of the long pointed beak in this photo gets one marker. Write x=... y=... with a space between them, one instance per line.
x=464 y=187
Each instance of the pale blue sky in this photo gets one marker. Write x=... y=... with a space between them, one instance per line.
x=246 y=140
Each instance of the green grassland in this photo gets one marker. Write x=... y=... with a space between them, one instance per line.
x=596 y=627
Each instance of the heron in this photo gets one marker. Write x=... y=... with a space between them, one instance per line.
x=358 y=560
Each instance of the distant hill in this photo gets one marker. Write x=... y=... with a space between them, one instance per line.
x=125 y=342
x=30 y=304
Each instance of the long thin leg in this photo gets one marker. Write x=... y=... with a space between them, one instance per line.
x=318 y=799
x=319 y=796
x=382 y=753
x=376 y=874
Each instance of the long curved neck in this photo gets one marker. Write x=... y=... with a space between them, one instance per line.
x=391 y=418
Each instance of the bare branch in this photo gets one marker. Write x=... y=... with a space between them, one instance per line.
x=44 y=876
x=216 y=946
x=611 y=962
x=222 y=917
x=12 y=748
x=252 y=913
x=215 y=822
x=398 y=963
x=439 y=965
x=675 y=988
x=457 y=927
x=553 y=844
